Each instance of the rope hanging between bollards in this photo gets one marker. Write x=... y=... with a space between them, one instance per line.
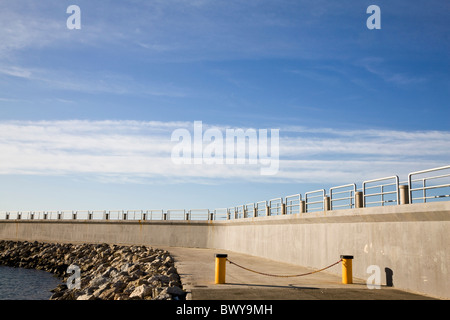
x=284 y=276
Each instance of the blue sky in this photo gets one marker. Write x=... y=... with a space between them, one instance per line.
x=86 y=115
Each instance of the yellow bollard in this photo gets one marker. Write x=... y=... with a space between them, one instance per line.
x=347 y=273
x=221 y=260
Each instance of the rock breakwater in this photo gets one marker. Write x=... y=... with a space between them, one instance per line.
x=107 y=271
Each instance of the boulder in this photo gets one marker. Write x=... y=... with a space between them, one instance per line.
x=141 y=292
x=176 y=291
x=98 y=281
x=86 y=297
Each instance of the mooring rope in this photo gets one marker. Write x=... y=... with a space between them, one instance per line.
x=284 y=276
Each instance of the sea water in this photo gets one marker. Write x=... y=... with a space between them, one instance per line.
x=26 y=284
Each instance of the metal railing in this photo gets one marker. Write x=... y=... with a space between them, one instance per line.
x=232 y=213
x=343 y=196
x=114 y=215
x=314 y=200
x=135 y=214
x=240 y=211
x=199 y=214
x=293 y=204
x=276 y=206
x=383 y=196
x=154 y=215
x=261 y=208
x=175 y=214
x=423 y=186
x=221 y=214
x=249 y=210
x=439 y=190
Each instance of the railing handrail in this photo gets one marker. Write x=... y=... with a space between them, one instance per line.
x=315 y=191
x=429 y=170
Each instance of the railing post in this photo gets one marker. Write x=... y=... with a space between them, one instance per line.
x=267 y=211
x=302 y=206
x=326 y=203
x=283 y=208
x=404 y=194
x=255 y=212
x=359 y=199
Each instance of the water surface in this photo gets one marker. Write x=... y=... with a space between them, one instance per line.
x=26 y=284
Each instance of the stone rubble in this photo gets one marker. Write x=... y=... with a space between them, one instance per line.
x=108 y=271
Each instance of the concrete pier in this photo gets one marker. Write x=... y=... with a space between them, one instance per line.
x=409 y=243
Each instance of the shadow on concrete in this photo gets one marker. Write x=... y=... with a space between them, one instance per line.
x=290 y=286
x=262 y=292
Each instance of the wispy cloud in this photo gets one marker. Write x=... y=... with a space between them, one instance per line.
x=168 y=30
x=377 y=67
x=15 y=71
x=91 y=82
x=141 y=152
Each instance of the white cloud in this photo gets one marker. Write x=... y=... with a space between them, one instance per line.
x=373 y=143
x=141 y=152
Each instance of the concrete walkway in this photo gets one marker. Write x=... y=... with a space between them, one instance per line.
x=196 y=269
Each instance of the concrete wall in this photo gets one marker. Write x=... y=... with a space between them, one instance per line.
x=411 y=242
